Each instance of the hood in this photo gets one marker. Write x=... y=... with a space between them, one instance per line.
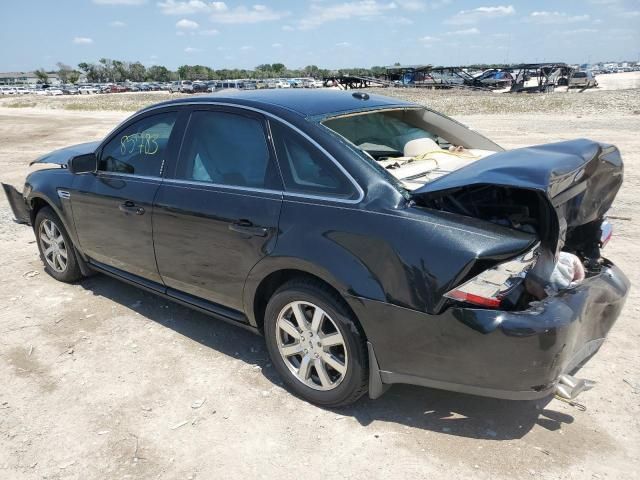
x=63 y=155
x=579 y=178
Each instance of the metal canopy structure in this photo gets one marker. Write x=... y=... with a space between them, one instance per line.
x=539 y=77
x=529 y=77
x=526 y=77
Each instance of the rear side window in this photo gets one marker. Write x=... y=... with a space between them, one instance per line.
x=140 y=148
x=227 y=149
x=306 y=169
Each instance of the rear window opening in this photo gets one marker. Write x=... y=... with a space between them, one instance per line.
x=413 y=145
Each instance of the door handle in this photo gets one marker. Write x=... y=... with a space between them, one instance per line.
x=247 y=228
x=130 y=207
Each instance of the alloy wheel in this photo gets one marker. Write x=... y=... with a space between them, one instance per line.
x=311 y=345
x=54 y=248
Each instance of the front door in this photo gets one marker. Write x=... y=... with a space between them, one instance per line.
x=112 y=209
x=217 y=215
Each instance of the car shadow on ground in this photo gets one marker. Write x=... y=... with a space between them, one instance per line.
x=416 y=407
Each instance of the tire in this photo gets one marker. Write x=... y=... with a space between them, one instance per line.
x=48 y=226
x=333 y=388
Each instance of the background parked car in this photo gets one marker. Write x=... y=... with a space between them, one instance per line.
x=117 y=89
x=199 y=87
x=69 y=90
x=582 y=80
x=87 y=90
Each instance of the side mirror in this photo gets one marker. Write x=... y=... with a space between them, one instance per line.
x=83 y=164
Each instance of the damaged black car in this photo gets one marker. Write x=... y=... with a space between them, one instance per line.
x=370 y=241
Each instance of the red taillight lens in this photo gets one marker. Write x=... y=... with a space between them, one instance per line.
x=489 y=287
x=472 y=298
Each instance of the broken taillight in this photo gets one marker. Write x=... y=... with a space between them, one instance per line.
x=489 y=287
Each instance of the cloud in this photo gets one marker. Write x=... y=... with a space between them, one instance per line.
x=246 y=48
x=400 y=21
x=276 y=45
x=468 y=17
x=363 y=9
x=209 y=32
x=119 y=2
x=556 y=17
x=428 y=39
x=630 y=14
x=288 y=28
x=412 y=5
x=192 y=50
x=466 y=31
x=82 y=40
x=171 y=7
x=343 y=44
x=244 y=15
x=117 y=24
x=185 y=24
x=579 y=31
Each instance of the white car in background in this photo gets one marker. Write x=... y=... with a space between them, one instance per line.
x=8 y=90
x=87 y=90
x=53 y=92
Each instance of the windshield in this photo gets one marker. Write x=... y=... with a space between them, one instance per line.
x=579 y=75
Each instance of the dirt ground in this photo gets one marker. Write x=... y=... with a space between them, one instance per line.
x=100 y=380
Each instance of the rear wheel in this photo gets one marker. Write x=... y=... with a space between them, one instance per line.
x=56 y=250
x=315 y=344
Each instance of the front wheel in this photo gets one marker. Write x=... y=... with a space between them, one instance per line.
x=316 y=345
x=56 y=250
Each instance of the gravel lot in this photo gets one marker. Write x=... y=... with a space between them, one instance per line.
x=101 y=380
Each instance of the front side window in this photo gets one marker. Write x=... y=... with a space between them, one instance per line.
x=305 y=169
x=140 y=148
x=227 y=149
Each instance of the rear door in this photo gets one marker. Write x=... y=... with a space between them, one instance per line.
x=112 y=209
x=216 y=214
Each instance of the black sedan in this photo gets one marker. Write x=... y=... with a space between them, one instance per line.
x=371 y=241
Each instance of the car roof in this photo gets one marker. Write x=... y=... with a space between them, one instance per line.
x=308 y=103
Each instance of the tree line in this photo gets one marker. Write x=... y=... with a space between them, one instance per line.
x=108 y=70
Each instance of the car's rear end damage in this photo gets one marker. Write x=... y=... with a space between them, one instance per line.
x=516 y=328
x=558 y=192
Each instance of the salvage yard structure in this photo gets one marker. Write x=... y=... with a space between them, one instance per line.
x=520 y=78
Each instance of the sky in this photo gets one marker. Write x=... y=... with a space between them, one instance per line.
x=327 y=33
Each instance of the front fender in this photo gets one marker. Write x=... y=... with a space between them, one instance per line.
x=45 y=185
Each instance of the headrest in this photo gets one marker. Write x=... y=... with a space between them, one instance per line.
x=420 y=146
